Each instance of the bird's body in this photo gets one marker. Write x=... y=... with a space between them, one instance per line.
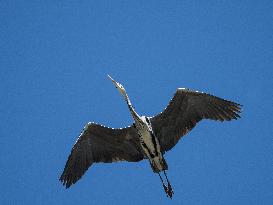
x=150 y=144
x=149 y=137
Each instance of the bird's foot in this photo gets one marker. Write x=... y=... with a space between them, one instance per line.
x=165 y=188
x=170 y=190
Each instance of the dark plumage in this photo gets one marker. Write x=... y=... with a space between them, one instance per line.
x=100 y=144
x=187 y=108
x=97 y=143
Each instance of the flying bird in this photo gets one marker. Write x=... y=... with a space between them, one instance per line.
x=148 y=137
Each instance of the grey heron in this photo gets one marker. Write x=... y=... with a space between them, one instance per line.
x=148 y=137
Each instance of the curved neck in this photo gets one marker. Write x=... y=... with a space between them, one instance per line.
x=131 y=108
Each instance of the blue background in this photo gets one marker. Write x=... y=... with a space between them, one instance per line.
x=54 y=58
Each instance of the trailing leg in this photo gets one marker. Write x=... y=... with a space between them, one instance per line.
x=170 y=189
x=163 y=184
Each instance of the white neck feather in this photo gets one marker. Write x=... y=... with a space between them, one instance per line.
x=130 y=106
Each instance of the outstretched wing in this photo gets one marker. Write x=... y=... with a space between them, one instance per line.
x=100 y=144
x=186 y=109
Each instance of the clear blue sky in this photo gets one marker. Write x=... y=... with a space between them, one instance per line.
x=54 y=58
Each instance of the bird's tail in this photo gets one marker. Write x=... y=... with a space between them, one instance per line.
x=159 y=164
x=164 y=164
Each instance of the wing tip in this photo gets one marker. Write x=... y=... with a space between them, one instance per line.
x=67 y=183
x=64 y=182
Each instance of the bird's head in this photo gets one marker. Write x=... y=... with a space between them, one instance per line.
x=120 y=88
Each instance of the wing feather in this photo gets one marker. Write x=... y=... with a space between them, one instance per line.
x=100 y=144
x=185 y=110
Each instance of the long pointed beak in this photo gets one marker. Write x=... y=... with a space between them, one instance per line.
x=111 y=78
x=113 y=81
